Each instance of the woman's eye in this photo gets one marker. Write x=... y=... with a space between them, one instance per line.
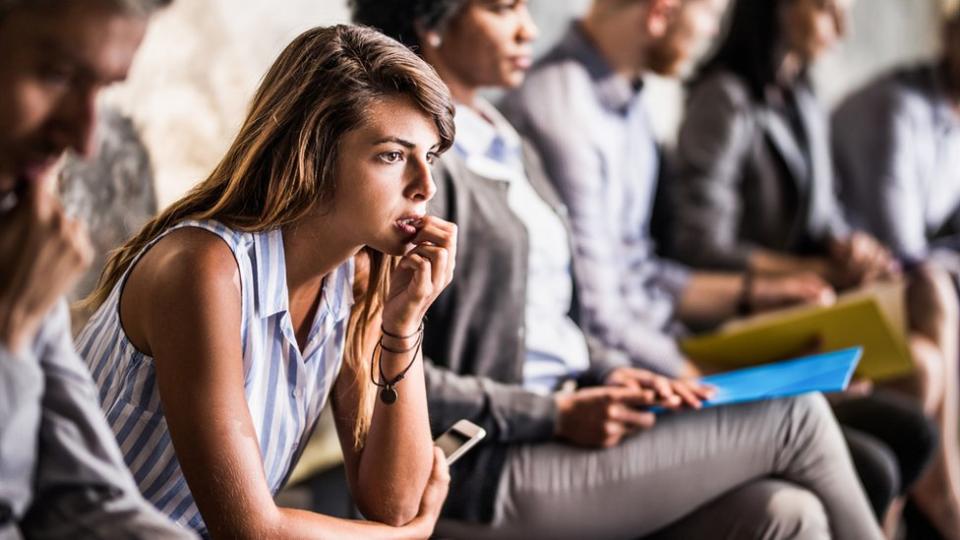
x=503 y=6
x=432 y=158
x=391 y=157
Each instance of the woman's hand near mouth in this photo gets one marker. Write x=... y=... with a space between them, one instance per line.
x=421 y=275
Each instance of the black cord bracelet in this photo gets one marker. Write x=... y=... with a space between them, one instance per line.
x=388 y=390
x=395 y=336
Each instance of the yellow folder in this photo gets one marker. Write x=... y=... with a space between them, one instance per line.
x=873 y=318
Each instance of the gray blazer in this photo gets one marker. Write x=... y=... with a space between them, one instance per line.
x=743 y=179
x=474 y=336
x=897 y=148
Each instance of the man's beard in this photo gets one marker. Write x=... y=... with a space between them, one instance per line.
x=665 y=58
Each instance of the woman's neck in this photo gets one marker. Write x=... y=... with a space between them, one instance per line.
x=950 y=76
x=309 y=256
x=462 y=91
x=789 y=69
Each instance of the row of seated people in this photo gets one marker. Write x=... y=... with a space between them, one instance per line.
x=298 y=276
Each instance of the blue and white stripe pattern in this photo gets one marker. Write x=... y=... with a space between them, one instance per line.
x=285 y=390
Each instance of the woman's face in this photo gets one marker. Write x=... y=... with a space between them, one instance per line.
x=813 y=27
x=488 y=44
x=383 y=174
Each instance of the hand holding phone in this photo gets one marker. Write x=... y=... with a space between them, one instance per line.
x=455 y=442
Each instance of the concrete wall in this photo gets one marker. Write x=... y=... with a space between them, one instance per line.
x=202 y=60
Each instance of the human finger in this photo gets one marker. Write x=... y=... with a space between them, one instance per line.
x=632 y=418
x=436 y=231
x=663 y=388
x=438 y=258
x=687 y=395
x=637 y=397
x=421 y=280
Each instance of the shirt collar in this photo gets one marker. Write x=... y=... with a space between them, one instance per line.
x=270 y=273
x=487 y=142
x=615 y=91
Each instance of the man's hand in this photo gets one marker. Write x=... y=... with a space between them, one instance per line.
x=860 y=258
x=601 y=416
x=772 y=292
x=44 y=253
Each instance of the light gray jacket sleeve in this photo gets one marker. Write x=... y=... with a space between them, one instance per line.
x=82 y=485
x=712 y=146
x=21 y=385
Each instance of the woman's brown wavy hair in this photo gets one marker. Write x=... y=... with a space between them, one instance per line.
x=283 y=161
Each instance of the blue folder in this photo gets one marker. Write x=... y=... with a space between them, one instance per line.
x=827 y=372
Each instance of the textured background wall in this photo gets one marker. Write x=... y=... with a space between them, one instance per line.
x=202 y=60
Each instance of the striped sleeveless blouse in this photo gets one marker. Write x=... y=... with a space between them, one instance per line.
x=285 y=390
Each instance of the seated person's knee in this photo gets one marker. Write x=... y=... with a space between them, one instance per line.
x=793 y=512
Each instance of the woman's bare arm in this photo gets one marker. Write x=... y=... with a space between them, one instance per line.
x=182 y=306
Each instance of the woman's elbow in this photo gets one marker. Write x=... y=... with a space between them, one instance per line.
x=394 y=511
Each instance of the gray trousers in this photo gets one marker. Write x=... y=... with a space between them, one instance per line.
x=770 y=470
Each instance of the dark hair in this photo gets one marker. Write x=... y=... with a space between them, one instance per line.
x=400 y=19
x=749 y=46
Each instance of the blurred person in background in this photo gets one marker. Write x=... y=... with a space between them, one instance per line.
x=61 y=472
x=582 y=107
x=755 y=191
x=896 y=145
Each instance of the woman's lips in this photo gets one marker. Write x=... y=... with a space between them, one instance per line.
x=409 y=225
x=522 y=62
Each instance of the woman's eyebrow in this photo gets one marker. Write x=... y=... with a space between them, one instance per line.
x=398 y=140
x=403 y=142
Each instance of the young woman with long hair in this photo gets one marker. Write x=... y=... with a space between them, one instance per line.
x=298 y=271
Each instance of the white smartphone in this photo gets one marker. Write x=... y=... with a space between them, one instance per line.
x=458 y=439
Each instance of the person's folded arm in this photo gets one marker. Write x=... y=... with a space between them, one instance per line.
x=192 y=327
x=81 y=480
x=389 y=472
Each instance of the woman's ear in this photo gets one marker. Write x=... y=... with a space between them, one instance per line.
x=428 y=38
x=434 y=39
x=659 y=16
